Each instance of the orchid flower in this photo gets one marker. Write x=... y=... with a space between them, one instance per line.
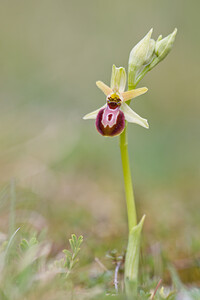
x=110 y=118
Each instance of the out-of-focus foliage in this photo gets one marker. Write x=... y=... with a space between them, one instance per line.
x=68 y=178
x=26 y=270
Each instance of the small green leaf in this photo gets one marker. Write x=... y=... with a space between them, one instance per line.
x=68 y=263
x=76 y=253
x=72 y=245
x=67 y=253
x=70 y=257
x=74 y=238
x=33 y=241
x=80 y=240
x=24 y=245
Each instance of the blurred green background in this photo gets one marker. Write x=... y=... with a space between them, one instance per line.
x=68 y=177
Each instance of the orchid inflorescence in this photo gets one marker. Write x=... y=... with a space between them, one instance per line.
x=110 y=118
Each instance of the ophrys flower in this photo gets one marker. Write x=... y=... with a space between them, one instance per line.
x=110 y=118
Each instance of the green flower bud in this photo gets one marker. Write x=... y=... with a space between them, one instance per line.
x=157 y=51
x=164 y=46
x=142 y=52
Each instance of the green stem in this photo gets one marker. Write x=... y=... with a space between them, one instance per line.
x=130 y=201
x=132 y=254
x=145 y=71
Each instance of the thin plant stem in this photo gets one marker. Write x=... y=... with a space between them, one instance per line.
x=130 y=201
x=132 y=256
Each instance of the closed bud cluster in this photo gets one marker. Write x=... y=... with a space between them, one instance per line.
x=147 y=54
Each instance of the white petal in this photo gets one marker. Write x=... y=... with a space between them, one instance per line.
x=104 y=88
x=134 y=93
x=132 y=117
x=93 y=114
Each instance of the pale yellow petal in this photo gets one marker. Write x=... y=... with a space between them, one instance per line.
x=134 y=93
x=104 y=88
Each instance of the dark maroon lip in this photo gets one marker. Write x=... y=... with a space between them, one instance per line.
x=106 y=130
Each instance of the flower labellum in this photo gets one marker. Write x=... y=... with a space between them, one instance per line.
x=110 y=119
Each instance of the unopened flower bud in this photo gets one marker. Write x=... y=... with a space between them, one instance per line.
x=159 y=38
x=142 y=52
x=164 y=46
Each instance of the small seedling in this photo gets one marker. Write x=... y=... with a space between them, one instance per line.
x=71 y=256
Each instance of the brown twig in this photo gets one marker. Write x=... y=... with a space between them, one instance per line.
x=159 y=283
